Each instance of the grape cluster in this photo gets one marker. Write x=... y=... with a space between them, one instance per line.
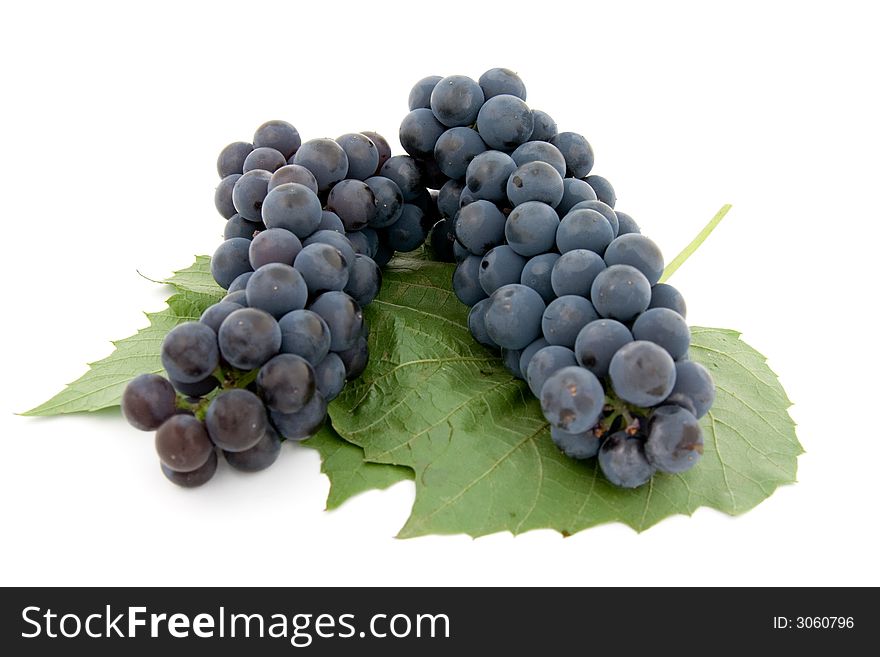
x=557 y=279
x=308 y=227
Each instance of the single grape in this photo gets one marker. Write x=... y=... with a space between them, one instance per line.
x=355 y=358
x=525 y=355
x=574 y=191
x=277 y=288
x=382 y=148
x=513 y=320
x=354 y=202
x=584 y=229
x=237 y=226
x=441 y=240
x=459 y=252
x=274 y=245
x=236 y=419
x=584 y=445
x=330 y=376
x=266 y=159
x=501 y=266
x=577 y=152
x=249 y=192
x=694 y=388
x=293 y=173
x=183 y=444
x=280 y=135
x=455 y=148
x=286 y=383
x=456 y=100
x=637 y=251
x=623 y=462
x=572 y=399
x=293 y=207
x=305 y=423
x=147 y=401
x=477 y=323
x=189 y=352
x=388 y=201
x=409 y=232
x=505 y=122
x=536 y=274
x=642 y=373
x=449 y=198
x=675 y=440
x=420 y=94
x=384 y=253
x=305 y=334
x=330 y=221
x=260 y=456
x=426 y=201
x=466 y=281
x=466 y=197
x=419 y=132
x=362 y=154
x=545 y=127
x=230 y=260
x=597 y=343
x=487 y=174
x=531 y=228
x=232 y=157
x=497 y=81
x=216 y=313
x=248 y=338
x=405 y=172
x=545 y=363
x=575 y=271
x=664 y=295
x=195 y=478
x=510 y=358
x=664 y=327
x=323 y=267
x=343 y=316
x=336 y=240
x=620 y=292
x=239 y=296
x=480 y=226
x=564 y=318
x=535 y=181
x=223 y=195
x=198 y=389
x=539 y=151
x=364 y=280
x=371 y=237
x=359 y=243
x=239 y=283
x=604 y=190
x=602 y=209
x=325 y=159
x=627 y=224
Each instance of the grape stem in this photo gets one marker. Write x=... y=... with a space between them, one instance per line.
x=229 y=380
x=689 y=250
x=618 y=409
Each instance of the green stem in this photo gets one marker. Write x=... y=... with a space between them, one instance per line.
x=688 y=251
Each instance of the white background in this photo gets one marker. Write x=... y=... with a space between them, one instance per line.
x=112 y=117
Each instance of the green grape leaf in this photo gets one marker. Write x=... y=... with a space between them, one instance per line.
x=435 y=401
x=349 y=474
x=195 y=290
x=102 y=385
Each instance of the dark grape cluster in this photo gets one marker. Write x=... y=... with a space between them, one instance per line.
x=558 y=280
x=308 y=227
